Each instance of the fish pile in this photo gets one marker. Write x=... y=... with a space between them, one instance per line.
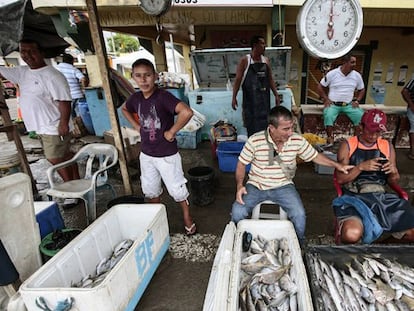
x=105 y=266
x=367 y=282
x=266 y=278
x=194 y=248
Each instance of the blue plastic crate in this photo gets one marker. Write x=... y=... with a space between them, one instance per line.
x=228 y=154
x=188 y=140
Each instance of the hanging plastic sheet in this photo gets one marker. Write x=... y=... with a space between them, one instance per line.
x=11 y=25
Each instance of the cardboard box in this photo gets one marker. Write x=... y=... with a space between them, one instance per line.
x=132 y=148
x=123 y=286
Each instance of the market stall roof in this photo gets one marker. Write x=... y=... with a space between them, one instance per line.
x=18 y=20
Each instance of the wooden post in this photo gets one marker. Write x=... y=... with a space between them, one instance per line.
x=4 y=111
x=98 y=43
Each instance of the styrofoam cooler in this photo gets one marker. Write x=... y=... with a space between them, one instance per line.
x=223 y=287
x=123 y=287
x=218 y=284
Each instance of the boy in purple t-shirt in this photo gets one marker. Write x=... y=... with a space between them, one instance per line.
x=159 y=158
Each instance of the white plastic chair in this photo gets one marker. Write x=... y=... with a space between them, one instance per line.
x=96 y=176
x=257 y=214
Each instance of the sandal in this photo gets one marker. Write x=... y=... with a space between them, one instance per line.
x=191 y=230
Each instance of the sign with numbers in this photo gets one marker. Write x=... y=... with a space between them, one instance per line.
x=206 y=3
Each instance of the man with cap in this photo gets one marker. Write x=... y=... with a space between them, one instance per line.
x=366 y=210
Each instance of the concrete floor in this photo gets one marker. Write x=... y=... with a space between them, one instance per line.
x=181 y=283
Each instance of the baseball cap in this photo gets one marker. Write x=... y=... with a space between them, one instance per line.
x=374 y=120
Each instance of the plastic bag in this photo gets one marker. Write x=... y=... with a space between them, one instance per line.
x=196 y=122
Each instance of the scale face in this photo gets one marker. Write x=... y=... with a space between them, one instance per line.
x=329 y=28
x=155 y=7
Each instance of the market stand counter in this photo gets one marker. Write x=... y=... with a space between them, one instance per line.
x=397 y=123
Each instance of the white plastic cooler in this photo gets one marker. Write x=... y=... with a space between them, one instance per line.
x=122 y=288
x=227 y=299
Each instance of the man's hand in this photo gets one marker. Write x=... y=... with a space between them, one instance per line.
x=234 y=104
x=169 y=136
x=344 y=168
x=327 y=103
x=355 y=103
x=371 y=165
x=63 y=129
x=239 y=195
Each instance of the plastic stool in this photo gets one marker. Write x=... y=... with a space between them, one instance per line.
x=256 y=214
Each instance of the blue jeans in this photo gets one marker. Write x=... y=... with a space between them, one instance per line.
x=285 y=196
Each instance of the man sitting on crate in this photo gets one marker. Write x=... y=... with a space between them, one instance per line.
x=272 y=154
x=365 y=210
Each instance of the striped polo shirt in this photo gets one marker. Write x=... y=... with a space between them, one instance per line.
x=262 y=174
x=73 y=75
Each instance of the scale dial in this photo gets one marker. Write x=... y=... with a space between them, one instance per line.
x=329 y=28
x=155 y=7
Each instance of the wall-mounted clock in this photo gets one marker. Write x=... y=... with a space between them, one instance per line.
x=329 y=28
x=155 y=7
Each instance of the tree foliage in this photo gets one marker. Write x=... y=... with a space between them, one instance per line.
x=123 y=43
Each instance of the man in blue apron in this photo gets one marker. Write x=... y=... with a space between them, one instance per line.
x=254 y=74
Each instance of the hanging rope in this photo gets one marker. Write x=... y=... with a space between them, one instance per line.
x=159 y=40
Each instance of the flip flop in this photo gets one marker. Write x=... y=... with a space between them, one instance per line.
x=191 y=230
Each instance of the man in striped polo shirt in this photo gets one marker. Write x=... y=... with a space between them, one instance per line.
x=272 y=154
x=76 y=79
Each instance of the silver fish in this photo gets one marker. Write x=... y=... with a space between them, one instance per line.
x=287 y=284
x=338 y=301
x=350 y=281
x=255 y=248
x=279 y=299
x=252 y=259
x=338 y=281
x=402 y=306
x=273 y=276
x=293 y=302
x=367 y=295
x=352 y=302
x=383 y=293
x=327 y=301
x=390 y=306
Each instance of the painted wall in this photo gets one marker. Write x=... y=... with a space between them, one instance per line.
x=394 y=47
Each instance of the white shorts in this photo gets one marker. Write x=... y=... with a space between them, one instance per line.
x=169 y=170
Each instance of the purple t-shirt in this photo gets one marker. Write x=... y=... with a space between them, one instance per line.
x=156 y=115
